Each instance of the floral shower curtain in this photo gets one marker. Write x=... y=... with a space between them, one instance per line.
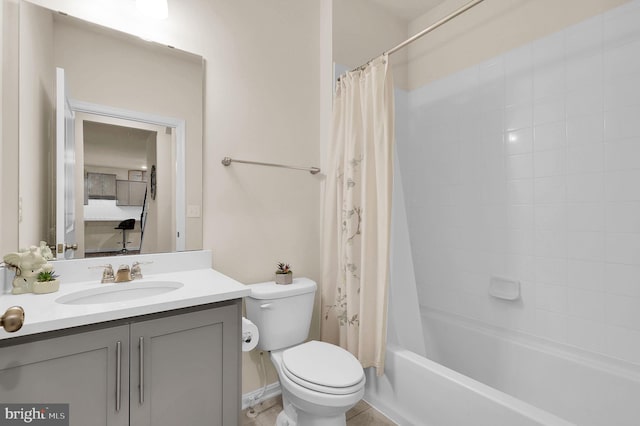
x=357 y=214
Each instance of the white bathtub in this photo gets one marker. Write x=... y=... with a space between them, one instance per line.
x=502 y=379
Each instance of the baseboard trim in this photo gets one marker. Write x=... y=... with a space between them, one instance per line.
x=251 y=398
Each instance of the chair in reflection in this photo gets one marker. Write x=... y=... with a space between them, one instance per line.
x=125 y=225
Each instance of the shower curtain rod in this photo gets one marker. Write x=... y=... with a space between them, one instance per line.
x=426 y=30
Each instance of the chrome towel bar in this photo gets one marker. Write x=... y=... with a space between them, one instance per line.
x=228 y=160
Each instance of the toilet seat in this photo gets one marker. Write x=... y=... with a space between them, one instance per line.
x=323 y=367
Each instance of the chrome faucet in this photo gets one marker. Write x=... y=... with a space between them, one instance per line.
x=136 y=270
x=123 y=274
x=107 y=273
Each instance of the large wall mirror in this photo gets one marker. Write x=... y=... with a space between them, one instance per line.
x=132 y=169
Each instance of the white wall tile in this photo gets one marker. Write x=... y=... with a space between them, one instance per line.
x=519 y=88
x=622 y=217
x=518 y=116
x=519 y=141
x=551 y=217
x=585 y=217
x=622 y=186
x=587 y=129
x=548 y=79
x=622 y=311
x=520 y=216
x=585 y=158
x=549 y=49
x=585 y=188
x=585 y=246
x=623 y=248
x=585 y=101
x=586 y=275
x=550 y=189
x=587 y=334
x=550 y=163
x=586 y=38
x=622 y=92
x=550 y=136
x=520 y=191
x=622 y=155
x=492 y=122
x=623 y=27
x=621 y=60
x=622 y=280
x=551 y=297
x=621 y=123
x=550 y=244
x=519 y=242
x=518 y=61
x=528 y=166
x=519 y=267
x=582 y=70
x=520 y=166
x=548 y=109
x=550 y=270
x=585 y=304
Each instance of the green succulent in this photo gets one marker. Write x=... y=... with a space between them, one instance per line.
x=47 y=276
x=283 y=268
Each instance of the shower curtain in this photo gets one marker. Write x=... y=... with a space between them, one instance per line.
x=357 y=214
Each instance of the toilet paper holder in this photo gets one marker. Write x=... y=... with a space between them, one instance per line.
x=250 y=335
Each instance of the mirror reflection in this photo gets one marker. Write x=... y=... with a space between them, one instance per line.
x=132 y=106
x=119 y=161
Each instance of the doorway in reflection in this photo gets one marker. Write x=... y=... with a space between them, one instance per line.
x=126 y=180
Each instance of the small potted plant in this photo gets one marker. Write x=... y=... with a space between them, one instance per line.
x=284 y=274
x=47 y=281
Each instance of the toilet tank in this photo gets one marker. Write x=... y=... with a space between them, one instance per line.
x=282 y=312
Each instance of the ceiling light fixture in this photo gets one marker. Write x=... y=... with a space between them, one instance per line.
x=157 y=9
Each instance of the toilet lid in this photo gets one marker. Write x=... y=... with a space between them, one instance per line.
x=323 y=365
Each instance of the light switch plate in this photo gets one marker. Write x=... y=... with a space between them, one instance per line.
x=193 y=210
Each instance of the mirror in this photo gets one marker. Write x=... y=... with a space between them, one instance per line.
x=116 y=85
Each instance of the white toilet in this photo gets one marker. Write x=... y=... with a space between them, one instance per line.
x=319 y=381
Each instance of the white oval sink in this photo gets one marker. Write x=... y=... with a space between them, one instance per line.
x=119 y=292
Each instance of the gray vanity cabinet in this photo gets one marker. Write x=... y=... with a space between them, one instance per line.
x=79 y=370
x=184 y=369
x=176 y=368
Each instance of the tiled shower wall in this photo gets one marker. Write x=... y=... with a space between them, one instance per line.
x=527 y=166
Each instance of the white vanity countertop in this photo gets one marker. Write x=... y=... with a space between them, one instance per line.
x=43 y=313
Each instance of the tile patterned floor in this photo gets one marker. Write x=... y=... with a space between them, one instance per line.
x=361 y=415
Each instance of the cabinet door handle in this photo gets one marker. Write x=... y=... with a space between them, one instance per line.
x=118 y=373
x=141 y=375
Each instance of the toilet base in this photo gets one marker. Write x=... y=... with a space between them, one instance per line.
x=284 y=420
x=307 y=420
x=288 y=416
x=292 y=416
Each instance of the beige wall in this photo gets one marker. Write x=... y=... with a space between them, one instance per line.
x=35 y=123
x=362 y=30
x=9 y=125
x=262 y=102
x=487 y=30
